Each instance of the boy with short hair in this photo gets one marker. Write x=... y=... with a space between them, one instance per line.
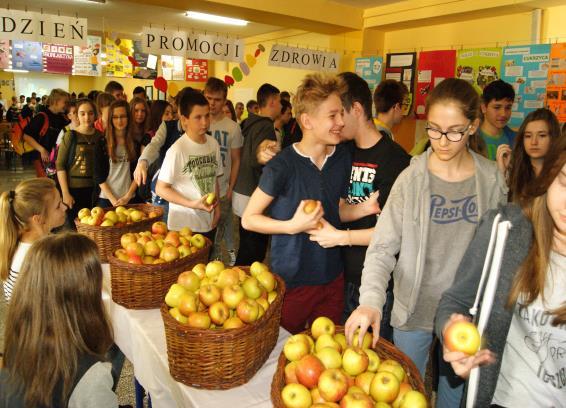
x=191 y=169
x=115 y=89
x=389 y=99
x=496 y=106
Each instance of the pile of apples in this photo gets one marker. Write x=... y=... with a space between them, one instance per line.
x=158 y=245
x=115 y=218
x=214 y=297
x=323 y=371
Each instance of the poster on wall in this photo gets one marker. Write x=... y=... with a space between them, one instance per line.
x=87 y=58
x=526 y=68
x=196 y=70
x=143 y=68
x=433 y=67
x=26 y=55
x=57 y=58
x=4 y=54
x=370 y=69
x=556 y=86
x=401 y=67
x=479 y=66
x=117 y=63
x=173 y=67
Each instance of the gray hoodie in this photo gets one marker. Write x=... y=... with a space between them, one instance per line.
x=403 y=228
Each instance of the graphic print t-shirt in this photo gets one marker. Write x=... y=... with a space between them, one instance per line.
x=492 y=143
x=229 y=136
x=191 y=168
x=453 y=221
x=533 y=367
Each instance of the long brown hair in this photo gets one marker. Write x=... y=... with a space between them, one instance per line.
x=521 y=172
x=530 y=279
x=138 y=131
x=111 y=141
x=56 y=314
x=16 y=209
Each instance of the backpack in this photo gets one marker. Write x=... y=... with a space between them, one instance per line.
x=17 y=135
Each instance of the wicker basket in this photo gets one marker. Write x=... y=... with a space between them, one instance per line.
x=221 y=359
x=384 y=349
x=108 y=238
x=145 y=286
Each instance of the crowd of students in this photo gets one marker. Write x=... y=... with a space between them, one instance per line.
x=394 y=243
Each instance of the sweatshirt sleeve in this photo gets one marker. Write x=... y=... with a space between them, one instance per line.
x=151 y=151
x=384 y=245
x=63 y=152
x=94 y=390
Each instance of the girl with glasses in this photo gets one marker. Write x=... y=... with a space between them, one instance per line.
x=430 y=217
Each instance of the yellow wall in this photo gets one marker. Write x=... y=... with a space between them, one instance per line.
x=7 y=91
x=554 y=27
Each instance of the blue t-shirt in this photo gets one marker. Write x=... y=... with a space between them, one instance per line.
x=507 y=136
x=289 y=178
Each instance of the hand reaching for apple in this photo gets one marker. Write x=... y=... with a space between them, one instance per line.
x=363 y=317
x=304 y=221
x=463 y=363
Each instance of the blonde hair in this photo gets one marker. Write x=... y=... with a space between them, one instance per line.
x=16 y=209
x=55 y=95
x=315 y=89
x=56 y=315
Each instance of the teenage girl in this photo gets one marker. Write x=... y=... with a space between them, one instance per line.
x=103 y=102
x=429 y=219
x=139 y=112
x=29 y=213
x=57 y=332
x=160 y=111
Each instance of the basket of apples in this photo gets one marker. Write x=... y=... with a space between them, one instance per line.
x=106 y=226
x=221 y=323
x=318 y=369
x=149 y=262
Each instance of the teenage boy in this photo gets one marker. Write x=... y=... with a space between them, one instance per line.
x=229 y=136
x=496 y=107
x=260 y=146
x=191 y=170
x=315 y=168
x=389 y=98
x=115 y=89
x=376 y=162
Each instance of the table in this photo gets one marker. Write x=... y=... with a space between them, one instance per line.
x=140 y=334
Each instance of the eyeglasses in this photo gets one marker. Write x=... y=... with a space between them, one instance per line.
x=451 y=135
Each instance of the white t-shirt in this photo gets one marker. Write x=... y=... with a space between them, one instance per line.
x=191 y=168
x=229 y=136
x=119 y=178
x=533 y=368
x=15 y=268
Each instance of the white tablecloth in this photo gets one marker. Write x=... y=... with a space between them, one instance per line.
x=140 y=334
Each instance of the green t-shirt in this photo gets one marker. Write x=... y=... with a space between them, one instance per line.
x=506 y=136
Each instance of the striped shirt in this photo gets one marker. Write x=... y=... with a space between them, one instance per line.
x=15 y=268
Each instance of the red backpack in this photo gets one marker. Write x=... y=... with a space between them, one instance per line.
x=17 y=135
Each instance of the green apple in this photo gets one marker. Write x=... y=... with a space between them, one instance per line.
x=83 y=213
x=326 y=340
x=296 y=396
x=189 y=280
x=177 y=315
x=322 y=325
x=232 y=295
x=267 y=280
x=258 y=267
x=213 y=268
x=251 y=288
x=174 y=295
x=384 y=387
x=198 y=241
x=330 y=357
x=354 y=361
x=296 y=348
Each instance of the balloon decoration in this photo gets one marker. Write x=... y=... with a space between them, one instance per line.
x=172 y=89
x=160 y=84
x=243 y=69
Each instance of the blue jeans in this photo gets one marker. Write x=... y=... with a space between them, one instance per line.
x=416 y=345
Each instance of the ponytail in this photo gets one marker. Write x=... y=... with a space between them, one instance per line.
x=16 y=209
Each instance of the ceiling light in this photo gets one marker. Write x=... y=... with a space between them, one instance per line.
x=211 y=18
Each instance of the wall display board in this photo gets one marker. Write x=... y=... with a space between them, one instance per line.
x=370 y=69
x=117 y=62
x=173 y=67
x=556 y=86
x=87 y=58
x=479 y=66
x=401 y=67
x=145 y=64
x=57 y=58
x=5 y=54
x=526 y=68
x=433 y=67
x=26 y=55
x=196 y=70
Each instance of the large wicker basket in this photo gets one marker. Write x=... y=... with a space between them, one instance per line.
x=221 y=359
x=145 y=286
x=108 y=238
x=384 y=349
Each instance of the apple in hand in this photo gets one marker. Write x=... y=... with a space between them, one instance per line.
x=354 y=361
x=310 y=206
x=296 y=348
x=384 y=387
x=210 y=199
x=308 y=370
x=332 y=384
x=296 y=396
x=366 y=341
x=322 y=325
x=462 y=336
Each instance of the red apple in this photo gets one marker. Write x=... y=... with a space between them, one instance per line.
x=172 y=238
x=134 y=248
x=308 y=370
x=135 y=259
x=462 y=336
x=384 y=387
x=332 y=384
x=296 y=396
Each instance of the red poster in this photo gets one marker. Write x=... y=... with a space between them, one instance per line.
x=197 y=70
x=433 y=67
x=58 y=59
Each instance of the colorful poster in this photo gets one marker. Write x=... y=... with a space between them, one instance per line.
x=116 y=62
x=526 y=68
x=87 y=59
x=173 y=67
x=434 y=67
x=57 y=58
x=401 y=67
x=4 y=54
x=26 y=55
x=556 y=86
x=197 y=70
x=142 y=66
x=370 y=69
x=479 y=66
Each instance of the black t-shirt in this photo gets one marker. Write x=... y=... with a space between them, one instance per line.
x=375 y=168
x=56 y=123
